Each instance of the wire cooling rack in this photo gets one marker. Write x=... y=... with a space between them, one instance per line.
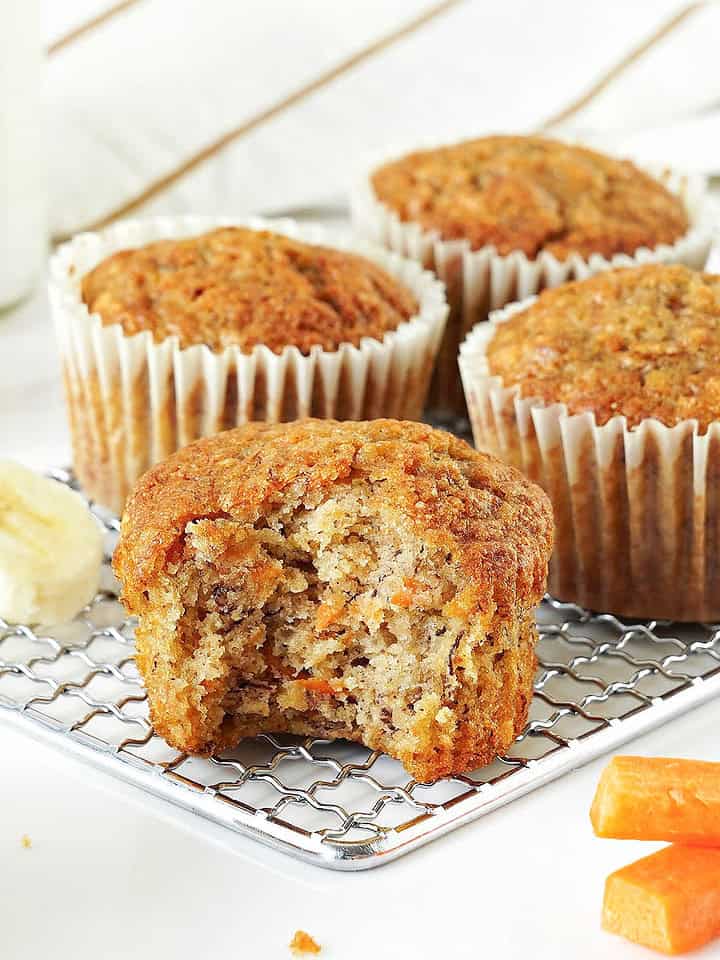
x=600 y=681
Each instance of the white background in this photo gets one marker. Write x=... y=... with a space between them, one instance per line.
x=109 y=874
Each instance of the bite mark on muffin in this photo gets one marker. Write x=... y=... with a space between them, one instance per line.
x=321 y=591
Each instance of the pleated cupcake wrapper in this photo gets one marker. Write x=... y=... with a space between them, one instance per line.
x=133 y=401
x=637 y=511
x=478 y=281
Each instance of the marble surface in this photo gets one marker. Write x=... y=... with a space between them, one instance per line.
x=111 y=874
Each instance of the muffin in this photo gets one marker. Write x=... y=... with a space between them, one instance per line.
x=368 y=580
x=606 y=391
x=171 y=330
x=500 y=218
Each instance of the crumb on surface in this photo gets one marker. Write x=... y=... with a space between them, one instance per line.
x=26 y=841
x=303 y=943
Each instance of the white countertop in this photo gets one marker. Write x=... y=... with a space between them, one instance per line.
x=111 y=874
x=108 y=877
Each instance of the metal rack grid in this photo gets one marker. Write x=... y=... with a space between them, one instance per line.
x=600 y=681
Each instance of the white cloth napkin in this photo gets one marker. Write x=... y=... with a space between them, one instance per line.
x=133 y=99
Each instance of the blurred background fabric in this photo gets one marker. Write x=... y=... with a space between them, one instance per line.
x=153 y=84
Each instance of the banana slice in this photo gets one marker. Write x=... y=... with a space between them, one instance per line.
x=50 y=548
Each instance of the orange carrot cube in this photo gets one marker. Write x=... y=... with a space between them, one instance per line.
x=657 y=798
x=669 y=901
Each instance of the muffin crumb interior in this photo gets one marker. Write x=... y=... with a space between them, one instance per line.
x=332 y=618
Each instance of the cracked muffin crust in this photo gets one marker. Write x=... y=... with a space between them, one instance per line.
x=239 y=287
x=642 y=342
x=370 y=580
x=531 y=194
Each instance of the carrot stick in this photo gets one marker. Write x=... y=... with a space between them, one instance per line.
x=669 y=901
x=656 y=798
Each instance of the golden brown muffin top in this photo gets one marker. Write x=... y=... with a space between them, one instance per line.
x=642 y=342
x=531 y=194
x=241 y=287
x=496 y=523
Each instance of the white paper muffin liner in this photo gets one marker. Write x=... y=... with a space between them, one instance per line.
x=478 y=281
x=132 y=401
x=637 y=510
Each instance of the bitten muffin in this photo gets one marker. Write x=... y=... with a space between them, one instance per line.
x=502 y=217
x=167 y=341
x=374 y=581
x=607 y=391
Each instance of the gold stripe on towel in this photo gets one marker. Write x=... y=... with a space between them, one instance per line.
x=89 y=25
x=621 y=66
x=212 y=149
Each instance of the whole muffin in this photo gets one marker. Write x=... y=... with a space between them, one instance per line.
x=502 y=217
x=177 y=338
x=374 y=581
x=607 y=391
